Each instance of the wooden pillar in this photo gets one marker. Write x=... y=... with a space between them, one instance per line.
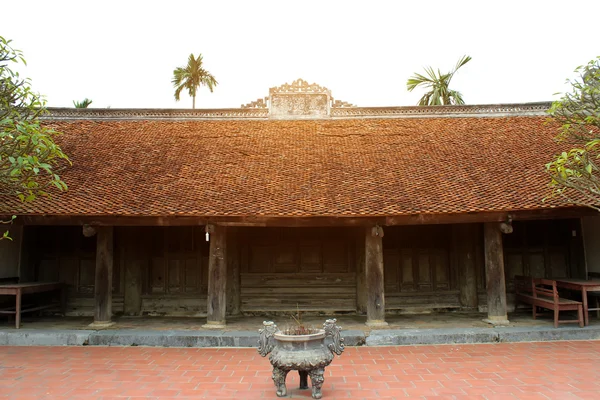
x=104 y=276
x=374 y=276
x=464 y=240
x=494 y=271
x=217 y=278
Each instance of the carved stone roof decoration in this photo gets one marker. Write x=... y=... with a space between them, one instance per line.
x=298 y=100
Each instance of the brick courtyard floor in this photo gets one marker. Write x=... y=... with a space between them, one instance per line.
x=548 y=370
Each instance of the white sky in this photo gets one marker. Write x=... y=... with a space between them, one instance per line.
x=121 y=54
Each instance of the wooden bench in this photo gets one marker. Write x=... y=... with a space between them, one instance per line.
x=543 y=294
x=20 y=289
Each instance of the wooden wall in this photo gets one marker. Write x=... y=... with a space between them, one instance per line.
x=164 y=270
x=419 y=272
x=283 y=269
x=157 y=270
x=544 y=249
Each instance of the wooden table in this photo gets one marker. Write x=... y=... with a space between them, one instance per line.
x=583 y=286
x=19 y=289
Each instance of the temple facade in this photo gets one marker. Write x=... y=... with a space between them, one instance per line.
x=299 y=201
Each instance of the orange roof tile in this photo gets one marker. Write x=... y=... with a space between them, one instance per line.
x=303 y=168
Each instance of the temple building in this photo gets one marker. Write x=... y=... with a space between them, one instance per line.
x=300 y=201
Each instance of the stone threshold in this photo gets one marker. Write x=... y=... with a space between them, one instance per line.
x=381 y=337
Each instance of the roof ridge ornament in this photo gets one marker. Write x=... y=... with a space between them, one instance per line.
x=298 y=100
x=299 y=86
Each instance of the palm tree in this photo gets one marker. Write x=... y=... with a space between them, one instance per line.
x=82 y=104
x=191 y=77
x=438 y=84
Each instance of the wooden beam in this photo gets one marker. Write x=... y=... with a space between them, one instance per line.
x=103 y=278
x=374 y=276
x=464 y=241
x=217 y=277
x=267 y=221
x=494 y=268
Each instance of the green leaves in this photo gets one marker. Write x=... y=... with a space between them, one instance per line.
x=191 y=77
x=29 y=157
x=574 y=175
x=85 y=103
x=438 y=85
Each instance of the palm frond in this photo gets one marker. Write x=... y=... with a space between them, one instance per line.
x=191 y=77
x=456 y=97
x=465 y=59
x=437 y=84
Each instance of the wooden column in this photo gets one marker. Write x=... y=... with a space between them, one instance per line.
x=217 y=277
x=103 y=279
x=494 y=271
x=374 y=276
x=464 y=240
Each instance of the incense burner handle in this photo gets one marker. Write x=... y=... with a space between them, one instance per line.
x=265 y=344
x=333 y=331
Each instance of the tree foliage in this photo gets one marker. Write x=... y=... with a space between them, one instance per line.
x=85 y=103
x=29 y=157
x=575 y=174
x=191 y=77
x=438 y=85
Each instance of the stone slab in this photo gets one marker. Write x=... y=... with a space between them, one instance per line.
x=395 y=337
x=34 y=337
x=383 y=337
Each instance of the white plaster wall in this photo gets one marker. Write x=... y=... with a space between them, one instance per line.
x=591 y=241
x=10 y=252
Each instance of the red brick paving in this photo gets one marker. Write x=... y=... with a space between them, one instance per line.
x=549 y=370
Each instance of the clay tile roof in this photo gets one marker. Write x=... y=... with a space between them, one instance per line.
x=303 y=168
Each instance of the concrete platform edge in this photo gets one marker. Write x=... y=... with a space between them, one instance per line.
x=382 y=337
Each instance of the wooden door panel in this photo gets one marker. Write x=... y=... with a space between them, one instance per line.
x=335 y=257
x=284 y=259
x=407 y=272
x=391 y=261
x=87 y=276
x=297 y=251
x=537 y=267
x=310 y=258
x=441 y=269
x=424 y=271
x=157 y=275
x=558 y=264
x=174 y=274
x=260 y=259
x=423 y=259
x=192 y=275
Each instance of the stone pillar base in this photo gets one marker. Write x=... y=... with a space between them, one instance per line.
x=215 y=325
x=374 y=323
x=101 y=324
x=497 y=320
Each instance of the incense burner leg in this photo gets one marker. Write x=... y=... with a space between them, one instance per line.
x=279 y=376
x=316 y=377
x=303 y=379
